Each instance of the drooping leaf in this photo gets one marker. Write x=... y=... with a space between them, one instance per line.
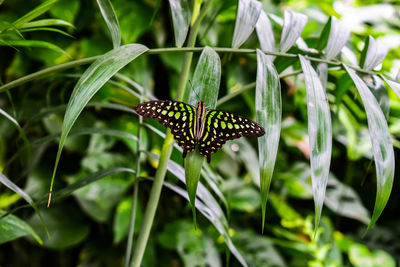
x=382 y=147
x=333 y=37
x=34 y=43
x=20 y=130
x=378 y=89
x=91 y=81
x=13 y=227
x=265 y=33
x=36 y=12
x=392 y=84
x=206 y=79
x=269 y=115
x=111 y=20
x=372 y=54
x=320 y=135
x=47 y=23
x=181 y=19
x=247 y=15
x=293 y=25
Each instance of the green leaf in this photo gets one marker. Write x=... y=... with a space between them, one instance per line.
x=8 y=183
x=247 y=15
x=392 y=84
x=181 y=18
x=111 y=19
x=206 y=80
x=378 y=89
x=269 y=116
x=333 y=37
x=46 y=29
x=122 y=219
x=91 y=81
x=293 y=25
x=320 y=135
x=265 y=33
x=66 y=230
x=34 y=13
x=66 y=9
x=13 y=227
x=382 y=147
x=372 y=54
x=46 y=23
x=20 y=130
x=35 y=43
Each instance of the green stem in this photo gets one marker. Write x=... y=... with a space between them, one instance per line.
x=188 y=58
x=166 y=151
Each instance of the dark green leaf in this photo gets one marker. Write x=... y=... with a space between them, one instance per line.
x=13 y=227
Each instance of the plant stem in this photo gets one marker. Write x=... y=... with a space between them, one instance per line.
x=166 y=150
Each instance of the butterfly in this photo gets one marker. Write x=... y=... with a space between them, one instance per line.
x=191 y=126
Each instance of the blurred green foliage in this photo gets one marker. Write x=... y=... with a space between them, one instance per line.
x=89 y=227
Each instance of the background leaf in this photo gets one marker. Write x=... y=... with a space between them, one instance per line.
x=248 y=12
x=111 y=19
x=269 y=114
x=13 y=227
x=381 y=146
x=293 y=25
x=181 y=18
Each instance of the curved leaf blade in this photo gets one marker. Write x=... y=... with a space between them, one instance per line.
x=392 y=84
x=320 y=135
x=47 y=23
x=372 y=54
x=91 y=81
x=181 y=19
x=111 y=20
x=246 y=19
x=265 y=33
x=13 y=227
x=269 y=115
x=382 y=147
x=206 y=79
x=293 y=25
x=337 y=39
x=35 y=43
x=36 y=12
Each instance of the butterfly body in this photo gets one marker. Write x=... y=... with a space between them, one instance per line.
x=197 y=126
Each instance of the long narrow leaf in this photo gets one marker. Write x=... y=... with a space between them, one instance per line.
x=91 y=81
x=111 y=20
x=333 y=37
x=206 y=79
x=293 y=25
x=8 y=183
x=47 y=23
x=393 y=84
x=181 y=19
x=269 y=115
x=320 y=135
x=34 y=13
x=372 y=54
x=246 y=19
x=35 y=43
x=265 y=33
x=16 y=124
x=382 y=147
x=46 y=29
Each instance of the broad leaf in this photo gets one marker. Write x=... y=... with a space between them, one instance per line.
x=320 y=135
x=91 y=81
x=111 y=19
x=247 y=15
x=382 y=147
x=293 y=25
x=181 y=19
x=265 y=33
x=206 y=79
x=269 y=115
x=372 y=54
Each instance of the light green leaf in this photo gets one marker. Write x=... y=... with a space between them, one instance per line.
x=34 y=13
x=382 y=147
x=46 y=29
x=13 y=227
x=320 y=135
x=247 y=15
x=46 y=23
x=35 y=43
x=181 y=19
x=372 y=54
x=392 y=84
x=269 y=116
x=111 y=20
x=293 y=25
x=338 y=36
x=122 y=218
x=265 y=33
x=91 y=81
x=206 y=79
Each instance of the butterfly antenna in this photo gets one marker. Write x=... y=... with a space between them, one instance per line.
x=191 y=87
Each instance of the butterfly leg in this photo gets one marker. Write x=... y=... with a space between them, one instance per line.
x=208 y=158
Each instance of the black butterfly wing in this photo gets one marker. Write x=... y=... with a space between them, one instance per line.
x=220 y=126
x=177 y=116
